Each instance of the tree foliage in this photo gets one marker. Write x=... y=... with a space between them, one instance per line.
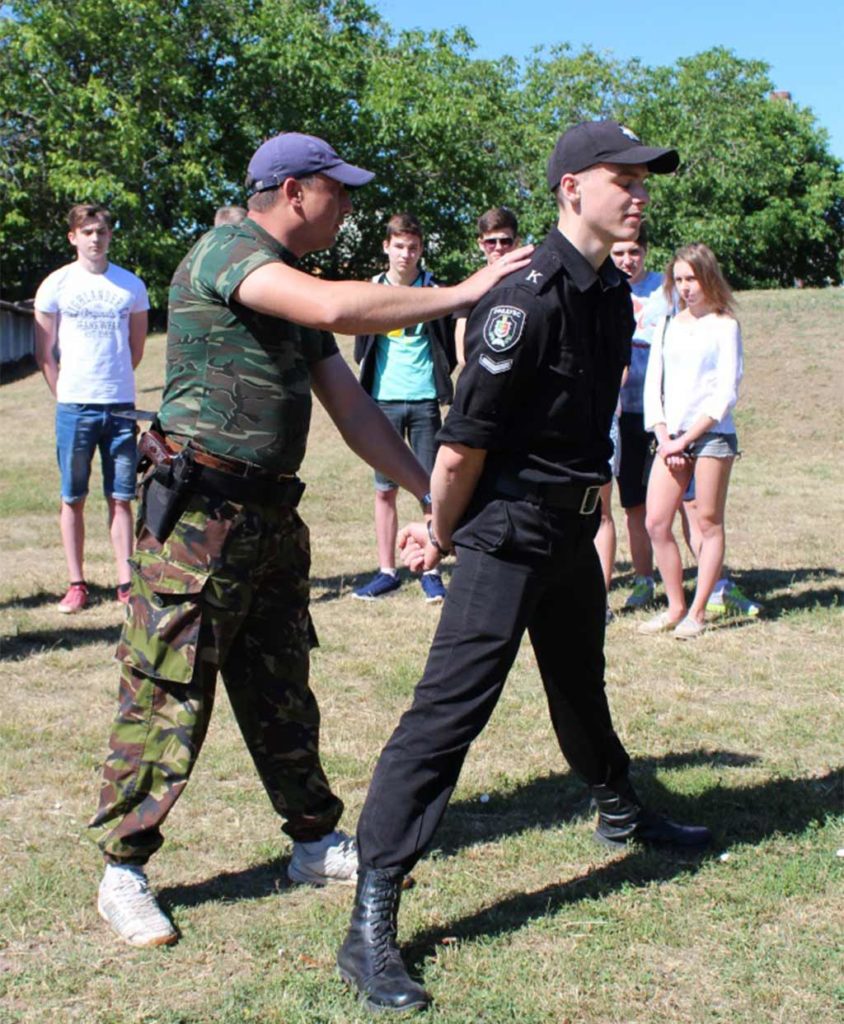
x=154 y=106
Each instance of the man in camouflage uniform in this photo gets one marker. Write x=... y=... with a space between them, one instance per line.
x=223 y=585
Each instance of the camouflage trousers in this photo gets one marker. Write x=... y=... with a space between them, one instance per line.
x=227 y=592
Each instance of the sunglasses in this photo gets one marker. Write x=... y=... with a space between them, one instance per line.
x=499 y=241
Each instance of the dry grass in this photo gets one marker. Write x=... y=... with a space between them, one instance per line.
x=516 y=916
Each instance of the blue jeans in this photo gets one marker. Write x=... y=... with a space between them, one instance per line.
x=417 y=423
x=82 y=428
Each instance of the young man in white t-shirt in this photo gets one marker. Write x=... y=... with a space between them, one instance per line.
x=90 y=329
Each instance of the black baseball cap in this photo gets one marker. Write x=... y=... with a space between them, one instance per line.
x=293 y=155
x=605 y=142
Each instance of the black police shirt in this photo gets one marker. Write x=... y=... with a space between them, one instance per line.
x=545 y=351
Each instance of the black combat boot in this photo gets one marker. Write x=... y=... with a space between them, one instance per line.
x=622 y=819
x=369 y=959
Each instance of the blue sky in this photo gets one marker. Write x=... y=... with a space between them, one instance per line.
x=802 y=42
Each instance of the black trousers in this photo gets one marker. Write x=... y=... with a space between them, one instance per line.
x=519 y=567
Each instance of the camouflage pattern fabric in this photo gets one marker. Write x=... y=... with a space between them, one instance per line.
x=227 y=591
x=238 y=382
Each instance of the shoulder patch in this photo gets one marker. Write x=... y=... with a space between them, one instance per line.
x=494 y=365
x=504 y=326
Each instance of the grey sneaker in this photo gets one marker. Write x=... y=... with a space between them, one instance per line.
x=334 y=858
x=127 y=904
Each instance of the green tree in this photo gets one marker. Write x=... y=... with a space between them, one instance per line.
x=115 y=101
x=153 y=106
x=757 y=182
x=433 y=121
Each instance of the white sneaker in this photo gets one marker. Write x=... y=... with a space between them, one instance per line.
x=125 y=901
x=334 y=858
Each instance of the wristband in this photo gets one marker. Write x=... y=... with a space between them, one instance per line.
x=426 y=501
x=434 y=541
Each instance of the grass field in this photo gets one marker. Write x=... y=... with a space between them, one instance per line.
x=517 y=916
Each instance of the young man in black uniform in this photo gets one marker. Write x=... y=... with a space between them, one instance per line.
x=524 y=452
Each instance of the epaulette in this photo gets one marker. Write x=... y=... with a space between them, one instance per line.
x=540 y=272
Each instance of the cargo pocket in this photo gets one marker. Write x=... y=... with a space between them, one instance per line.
x=161 y=632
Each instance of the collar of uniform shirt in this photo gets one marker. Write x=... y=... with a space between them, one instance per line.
x=249 y=225
x=579 y=269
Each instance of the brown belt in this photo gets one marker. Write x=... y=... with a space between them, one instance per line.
x=235 y=467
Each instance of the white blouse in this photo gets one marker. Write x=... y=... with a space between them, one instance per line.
x=694 y=370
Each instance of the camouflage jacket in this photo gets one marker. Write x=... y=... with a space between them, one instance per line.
x=238 y=382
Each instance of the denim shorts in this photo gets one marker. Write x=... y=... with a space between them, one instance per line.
x=714 y=446
x=417 y=423
x=80 y=430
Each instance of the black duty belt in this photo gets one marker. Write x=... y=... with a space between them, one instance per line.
x=216 y=483
x=247 y=490
x=569 y=497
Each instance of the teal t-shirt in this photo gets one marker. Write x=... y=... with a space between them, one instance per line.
x=404 y=367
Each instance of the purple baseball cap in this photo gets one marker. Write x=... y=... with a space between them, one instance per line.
x=293 y=155
x=605 y=142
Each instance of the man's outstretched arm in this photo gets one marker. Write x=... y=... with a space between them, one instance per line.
x=360 y=307
x=364 y=428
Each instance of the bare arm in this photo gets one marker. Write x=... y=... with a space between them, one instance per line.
x=46 y=326
x=363 y=426
x=138 y=324
x=453 y=482
x=358 y=307
x=460 y=340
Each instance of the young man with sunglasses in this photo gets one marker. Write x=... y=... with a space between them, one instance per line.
x=498 y=233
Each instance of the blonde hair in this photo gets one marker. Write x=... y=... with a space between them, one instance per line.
x=702 y=260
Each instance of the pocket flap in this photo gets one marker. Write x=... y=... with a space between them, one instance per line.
x=161 y=632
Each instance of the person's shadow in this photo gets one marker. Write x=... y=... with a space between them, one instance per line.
x=71 y=632
x=773 y=589
x=736 y=816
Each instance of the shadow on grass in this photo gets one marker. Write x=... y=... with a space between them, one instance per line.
x=22 y=646
x=748 y=815
x=231 y=886
x=97 y=595
x=554 y=799
x=70 y=631
x=772 y=588
x=340 y=587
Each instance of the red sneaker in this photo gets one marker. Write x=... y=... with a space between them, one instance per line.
x=74 y=600
x=123 y=594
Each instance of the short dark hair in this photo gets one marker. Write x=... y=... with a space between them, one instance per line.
x=496 y=218
x=403 y=224
x=77 y=215
x=266 y=199
x=260 y=202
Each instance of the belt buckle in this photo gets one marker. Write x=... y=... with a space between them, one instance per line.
x=591 y=497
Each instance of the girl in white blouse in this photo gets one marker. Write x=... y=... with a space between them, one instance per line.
x=691 y=387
